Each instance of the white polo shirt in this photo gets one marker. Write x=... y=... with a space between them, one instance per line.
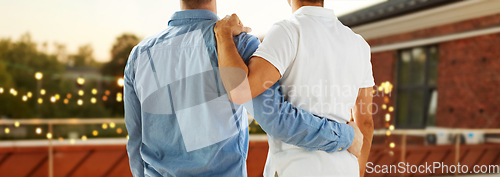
x=322 y=64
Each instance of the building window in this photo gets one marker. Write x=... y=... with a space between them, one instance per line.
x=416 y=99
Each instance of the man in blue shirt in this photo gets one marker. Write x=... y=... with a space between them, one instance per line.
x=178 y=115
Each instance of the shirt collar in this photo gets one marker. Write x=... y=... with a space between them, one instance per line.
x=201 y=14
x=316 y=11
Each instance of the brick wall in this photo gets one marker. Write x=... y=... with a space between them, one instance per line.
x=468 y=74
x=383 y=64
x=469 y=83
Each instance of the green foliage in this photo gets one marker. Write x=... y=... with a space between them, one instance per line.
x=119 y=55
x=19 y=60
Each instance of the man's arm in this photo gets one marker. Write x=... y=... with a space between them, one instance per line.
x=281 y=120
x=362 y=112
x=133 y=120
x=241 y=81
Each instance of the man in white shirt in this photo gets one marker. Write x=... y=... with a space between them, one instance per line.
x=323 y=67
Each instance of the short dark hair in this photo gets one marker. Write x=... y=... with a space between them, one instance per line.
x=195 y=3
x=314 y=1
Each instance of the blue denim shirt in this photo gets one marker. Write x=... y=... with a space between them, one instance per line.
x=179 y=118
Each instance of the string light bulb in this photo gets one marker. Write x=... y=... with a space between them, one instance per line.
x=93 y=100
x=49 y=135
x=38 y=130
x=42 y=92
x=391 y=127
x=40 y=100
x=119 y=97
x=38 y=75
x=16 y=124
x=29 y=94
x=25 y=98
x=52 y=99
x=81 y=92
x=80 y=80
x=392 y=145
x=120 y=82
x=79 y=102
x=1 y=90
x=94 y=91
x=387 y=117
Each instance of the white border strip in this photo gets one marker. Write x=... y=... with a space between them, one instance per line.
x=434 y=40
x=66 y=142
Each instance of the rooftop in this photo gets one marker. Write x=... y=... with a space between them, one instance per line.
x=390 y=9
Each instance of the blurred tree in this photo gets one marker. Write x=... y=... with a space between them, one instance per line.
x=84 y=57
x=115 y=67
x=119 y=55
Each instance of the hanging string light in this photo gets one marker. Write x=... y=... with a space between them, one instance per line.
x=120 y=82
x=80 y=80
x=119 y=97
x=38 y=75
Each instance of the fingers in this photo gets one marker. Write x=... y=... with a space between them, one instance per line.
x=232 y=24
x=246 y=29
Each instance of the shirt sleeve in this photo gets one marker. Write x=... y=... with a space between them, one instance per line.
x=246 y=45
x=279 y=47
x=369 y=81
x=133 y=118
x=282 y=121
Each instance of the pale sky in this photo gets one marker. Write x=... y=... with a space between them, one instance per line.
x=99 y=22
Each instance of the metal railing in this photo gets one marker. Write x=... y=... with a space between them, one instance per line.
x=51 y=122
x=457 y=132
x=78 y=121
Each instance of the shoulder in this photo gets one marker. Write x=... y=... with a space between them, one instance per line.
x=291 y=27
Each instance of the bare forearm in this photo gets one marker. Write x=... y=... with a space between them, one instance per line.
x=366 y=129
x=228 y=55
x=232 y=69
